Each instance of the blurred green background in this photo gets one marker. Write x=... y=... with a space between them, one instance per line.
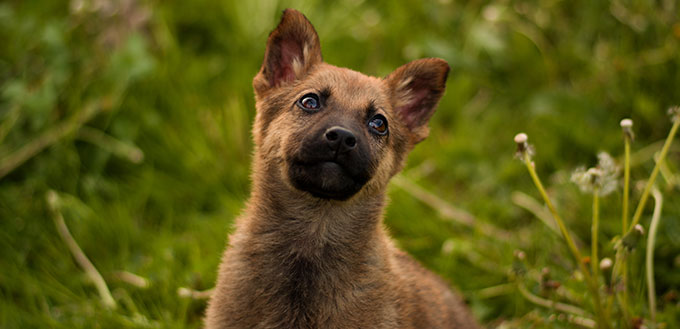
x=137 y=114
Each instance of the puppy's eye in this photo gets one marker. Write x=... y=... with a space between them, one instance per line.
x=378 y=124
x=309 y=102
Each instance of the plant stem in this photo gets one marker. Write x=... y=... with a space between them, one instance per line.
x=649 y=257
x=626 y=184
x=624 y=213
x=594 y=231
x=620 y=265
x=652 y=177
x=109 y=143
x=621 y=255
x=78 y=254
x=602 y=323
x=572 y=247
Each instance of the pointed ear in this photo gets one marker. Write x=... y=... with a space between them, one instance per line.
x=292 y=49
x=416 y=89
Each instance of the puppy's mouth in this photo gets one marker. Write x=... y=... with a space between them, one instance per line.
x=328 y=178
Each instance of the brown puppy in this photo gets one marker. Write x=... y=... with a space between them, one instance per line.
x=310 y=250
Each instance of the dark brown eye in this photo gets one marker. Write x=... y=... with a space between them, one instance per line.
x=378 y=124
x=309 y=102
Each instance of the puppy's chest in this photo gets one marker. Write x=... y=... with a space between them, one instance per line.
x=298 y=292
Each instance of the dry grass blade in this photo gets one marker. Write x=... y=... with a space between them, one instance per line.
x=649 y=257
x=194 y=294
x=122 y=149
x=78 y=254
x=132 y=279
x=566 y=308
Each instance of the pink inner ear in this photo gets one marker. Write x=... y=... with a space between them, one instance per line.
x=418 y=110
x=290 y=49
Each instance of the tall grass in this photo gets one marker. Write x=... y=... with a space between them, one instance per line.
x=137 y=115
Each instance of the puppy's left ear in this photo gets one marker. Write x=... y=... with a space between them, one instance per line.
x=292 y=49
x=416 y=89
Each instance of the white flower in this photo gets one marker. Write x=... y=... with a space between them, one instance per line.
x=603 y=176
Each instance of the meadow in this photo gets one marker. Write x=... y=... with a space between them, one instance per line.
x=128 y=123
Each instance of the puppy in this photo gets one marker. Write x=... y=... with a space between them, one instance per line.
x=310 y=249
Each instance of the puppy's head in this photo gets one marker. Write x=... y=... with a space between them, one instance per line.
x=333 y=132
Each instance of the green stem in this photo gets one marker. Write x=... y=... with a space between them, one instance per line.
x=652 y=177
x=594 y=262
x=626 y=185
x=624 y=213
x=570 y=242
x=621 y=255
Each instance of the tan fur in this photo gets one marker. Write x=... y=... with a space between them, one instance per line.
x=298 y=261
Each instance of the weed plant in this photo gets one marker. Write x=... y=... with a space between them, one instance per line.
x=609 y=304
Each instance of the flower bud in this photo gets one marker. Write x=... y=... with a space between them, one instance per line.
x=606 y=264
x=627 y=127
x=639 y=229
x=626 y=123
x=521 y=138
x=522 y=145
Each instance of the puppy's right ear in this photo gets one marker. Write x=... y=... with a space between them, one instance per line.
x=293 y=48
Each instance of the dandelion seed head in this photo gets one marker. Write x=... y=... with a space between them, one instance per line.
x=609 y=173
x=581 y=178
x=594 y=174
x=602 y=177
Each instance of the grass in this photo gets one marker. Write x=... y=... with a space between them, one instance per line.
x=150 y=182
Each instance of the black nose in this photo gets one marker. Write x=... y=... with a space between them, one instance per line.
x=340 y=139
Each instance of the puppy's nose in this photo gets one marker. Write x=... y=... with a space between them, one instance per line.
x=340 y=139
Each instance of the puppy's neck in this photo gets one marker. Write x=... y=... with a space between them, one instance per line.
x=288 y=218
